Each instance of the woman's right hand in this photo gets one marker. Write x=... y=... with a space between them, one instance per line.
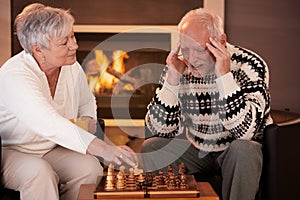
x=118 y=155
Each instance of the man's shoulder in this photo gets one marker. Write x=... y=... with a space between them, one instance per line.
x=239 y=53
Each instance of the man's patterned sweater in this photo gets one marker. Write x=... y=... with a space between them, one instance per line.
x=212 y=111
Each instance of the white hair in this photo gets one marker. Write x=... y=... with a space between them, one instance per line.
x=38 y=24
x=212 y=22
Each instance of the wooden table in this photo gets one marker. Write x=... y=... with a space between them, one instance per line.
x=206 y=193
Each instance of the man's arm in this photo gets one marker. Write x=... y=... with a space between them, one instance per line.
x=164 y=114
x=244 y=96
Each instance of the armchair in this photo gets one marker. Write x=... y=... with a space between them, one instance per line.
x=280 y=174
x=281 y=162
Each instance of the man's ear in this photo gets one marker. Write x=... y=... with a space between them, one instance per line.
x=223 y=39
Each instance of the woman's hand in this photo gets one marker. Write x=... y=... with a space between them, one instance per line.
x=113 y=154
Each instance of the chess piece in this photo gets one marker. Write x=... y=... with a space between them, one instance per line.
x=122 y=169
x=149 y=178
x=130 y=182
x=137 y=171
x=110 y=178
x=110 y=170
x=121 y=182
x=182 y=181
x=140 y=182
x=160 y=180
x=181 y=168
x=171 y=182
x=170 y=169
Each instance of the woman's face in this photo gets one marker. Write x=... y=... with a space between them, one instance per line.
x=61 y=51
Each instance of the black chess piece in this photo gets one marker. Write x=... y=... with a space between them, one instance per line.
x=149 y=178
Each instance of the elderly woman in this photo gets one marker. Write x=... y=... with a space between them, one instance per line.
x=42 y=88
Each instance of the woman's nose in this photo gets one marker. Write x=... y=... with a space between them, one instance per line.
x=73 y=44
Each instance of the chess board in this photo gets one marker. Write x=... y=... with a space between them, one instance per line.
x=143 y=188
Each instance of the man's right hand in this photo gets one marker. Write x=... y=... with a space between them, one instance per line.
x=176 y=66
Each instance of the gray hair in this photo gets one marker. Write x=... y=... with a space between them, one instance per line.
x=38 y=24
x=212 y=22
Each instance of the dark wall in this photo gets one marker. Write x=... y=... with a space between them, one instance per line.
x=113 y=12
x=272 y=29
x=151 y=12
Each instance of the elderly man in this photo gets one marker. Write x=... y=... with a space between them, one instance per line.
x=218 y=95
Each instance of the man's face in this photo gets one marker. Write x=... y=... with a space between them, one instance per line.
x=193 y=39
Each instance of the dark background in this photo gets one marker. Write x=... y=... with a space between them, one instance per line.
x=270 y=28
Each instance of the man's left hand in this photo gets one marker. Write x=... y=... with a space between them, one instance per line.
x=222 y=56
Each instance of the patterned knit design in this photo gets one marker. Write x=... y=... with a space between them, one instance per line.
x=214 y=122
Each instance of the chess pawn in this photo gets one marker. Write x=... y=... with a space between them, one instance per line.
x=160 y=180
x=183 y=182
x=172 y=182
x=121 y=184
x=140 y=181
x=130 y=183
x=122 y=169
x=149 y=178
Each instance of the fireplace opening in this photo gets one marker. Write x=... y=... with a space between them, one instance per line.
x=123 y=70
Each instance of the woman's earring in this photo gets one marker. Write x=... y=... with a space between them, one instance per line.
x=43 y=60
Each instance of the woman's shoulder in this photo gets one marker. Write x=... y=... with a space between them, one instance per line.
x=18 y=63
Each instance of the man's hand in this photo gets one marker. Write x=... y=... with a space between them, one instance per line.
x=222 y=56
x=176 y=66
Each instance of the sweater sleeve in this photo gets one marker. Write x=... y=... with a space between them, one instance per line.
x=163 y=115
x=244 y=98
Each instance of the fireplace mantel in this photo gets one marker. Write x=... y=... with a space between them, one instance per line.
x=171 y=29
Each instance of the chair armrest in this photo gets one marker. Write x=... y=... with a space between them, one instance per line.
x=100 y=128
x=291 y=122
x=101 y=124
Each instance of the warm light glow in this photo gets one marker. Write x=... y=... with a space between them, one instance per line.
x=118 y=57
x=102 y=76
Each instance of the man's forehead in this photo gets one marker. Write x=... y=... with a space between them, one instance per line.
x=193 y=22
x=186 y=39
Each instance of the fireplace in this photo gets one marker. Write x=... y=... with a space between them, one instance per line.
x=123 y=68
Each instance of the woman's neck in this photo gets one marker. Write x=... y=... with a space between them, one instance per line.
x=52 y=77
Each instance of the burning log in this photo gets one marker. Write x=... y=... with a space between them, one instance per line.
x=121 y=77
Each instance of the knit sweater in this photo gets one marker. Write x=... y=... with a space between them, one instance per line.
x=214 y=111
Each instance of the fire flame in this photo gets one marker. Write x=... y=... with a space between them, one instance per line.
x=100 y=80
